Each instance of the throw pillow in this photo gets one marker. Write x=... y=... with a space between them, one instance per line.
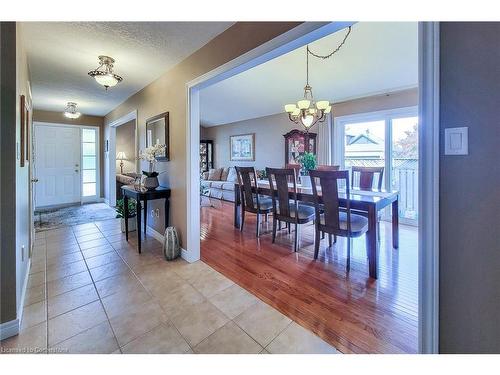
x=214 y=174
x=231 y=176
x=223 y=176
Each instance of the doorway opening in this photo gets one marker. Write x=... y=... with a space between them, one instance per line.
x=121 y=154
x=425 y=206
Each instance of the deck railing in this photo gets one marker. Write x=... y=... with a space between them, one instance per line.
x=404 y=179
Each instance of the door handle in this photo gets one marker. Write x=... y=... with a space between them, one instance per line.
x=34 y=179
x=76 y=170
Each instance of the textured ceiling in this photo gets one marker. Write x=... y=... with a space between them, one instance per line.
x=378 y=57
x=60 y=54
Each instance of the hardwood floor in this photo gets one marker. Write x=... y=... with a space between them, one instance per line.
x=353 y=312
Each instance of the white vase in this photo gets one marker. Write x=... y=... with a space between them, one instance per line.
x=305 y=181
x=132 y=224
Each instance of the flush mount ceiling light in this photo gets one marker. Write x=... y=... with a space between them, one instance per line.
x=71 y=112
x=307 y=111
x=103 y=74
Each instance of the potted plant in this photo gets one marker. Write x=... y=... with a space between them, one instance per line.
x=149 y=154
x=307 y=162
x=120 y=213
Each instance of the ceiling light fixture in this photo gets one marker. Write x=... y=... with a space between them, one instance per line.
x=103 y=74
x=71 y=112
x=307 y=111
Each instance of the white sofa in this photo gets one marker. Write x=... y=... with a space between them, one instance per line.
x=219 y=183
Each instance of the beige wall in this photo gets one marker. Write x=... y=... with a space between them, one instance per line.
x=125 y=141
x=85 y=120
x=269 y=130
x=269 y=140
x=168 y=93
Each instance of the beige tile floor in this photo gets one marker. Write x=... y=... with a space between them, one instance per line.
x=89 y=291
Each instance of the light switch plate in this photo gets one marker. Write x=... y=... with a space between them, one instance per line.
x=456 y=141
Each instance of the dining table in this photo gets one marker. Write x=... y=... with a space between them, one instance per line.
x=369 y=201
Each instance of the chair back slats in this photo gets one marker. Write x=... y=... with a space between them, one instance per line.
x=329 y=182
x=365 y=176
x=296 y=168
x=278 y=183
x=247 y=178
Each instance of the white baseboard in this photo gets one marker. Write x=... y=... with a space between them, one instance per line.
x=20 y=309
x=9 y=329
x=154 y=233
x=184 y=253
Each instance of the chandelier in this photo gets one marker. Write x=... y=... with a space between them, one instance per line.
x=71 y=112
x=103 y=74
x=307 y=111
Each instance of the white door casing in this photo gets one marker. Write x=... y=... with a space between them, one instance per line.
x=57 y=166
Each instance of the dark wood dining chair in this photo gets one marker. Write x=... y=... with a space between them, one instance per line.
x=290 y=211
x=329 y=217
x=365 y=176
x=327 y=168
x=296 y=168
x=250 y=201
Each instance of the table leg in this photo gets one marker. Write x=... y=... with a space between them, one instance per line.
x=395 y=224
x=371 y=241
x=138 y=216
x=167 y=212
x=145 y=204
x=125 y=213
x=237 y=206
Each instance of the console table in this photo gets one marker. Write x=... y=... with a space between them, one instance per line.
x=143 y=195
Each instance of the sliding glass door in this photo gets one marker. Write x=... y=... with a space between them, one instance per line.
x=386 y=139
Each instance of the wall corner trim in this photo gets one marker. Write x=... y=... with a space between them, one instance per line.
x=428 y=246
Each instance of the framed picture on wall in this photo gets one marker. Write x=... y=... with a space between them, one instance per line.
x=242 y=147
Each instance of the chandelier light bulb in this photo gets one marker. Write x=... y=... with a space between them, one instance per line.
x=307 y=121
x=303 y=104
x=322 y=104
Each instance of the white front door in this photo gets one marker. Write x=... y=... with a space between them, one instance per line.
x=57 y=165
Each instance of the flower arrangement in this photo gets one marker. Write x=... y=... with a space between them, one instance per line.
x=308 y=162
x=149 y=154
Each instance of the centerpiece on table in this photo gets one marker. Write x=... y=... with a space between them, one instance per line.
x=308 y=163
x=149 y=154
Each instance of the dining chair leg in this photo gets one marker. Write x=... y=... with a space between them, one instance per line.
x=334 y=238
x=289 y=228
x=242 y=220
x=274 y=229
x=296 y=238
x=316 y=243
x=329 y=240
x=279 y=224
x=257 y=234
x=266 y=218
x=322 y=235
x=349 y=253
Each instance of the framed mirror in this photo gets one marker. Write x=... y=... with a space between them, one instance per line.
x=157 y=132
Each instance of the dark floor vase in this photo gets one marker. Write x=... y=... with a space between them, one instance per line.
x=171 y=246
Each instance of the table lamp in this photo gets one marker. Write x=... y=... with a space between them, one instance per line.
x=121 y=156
